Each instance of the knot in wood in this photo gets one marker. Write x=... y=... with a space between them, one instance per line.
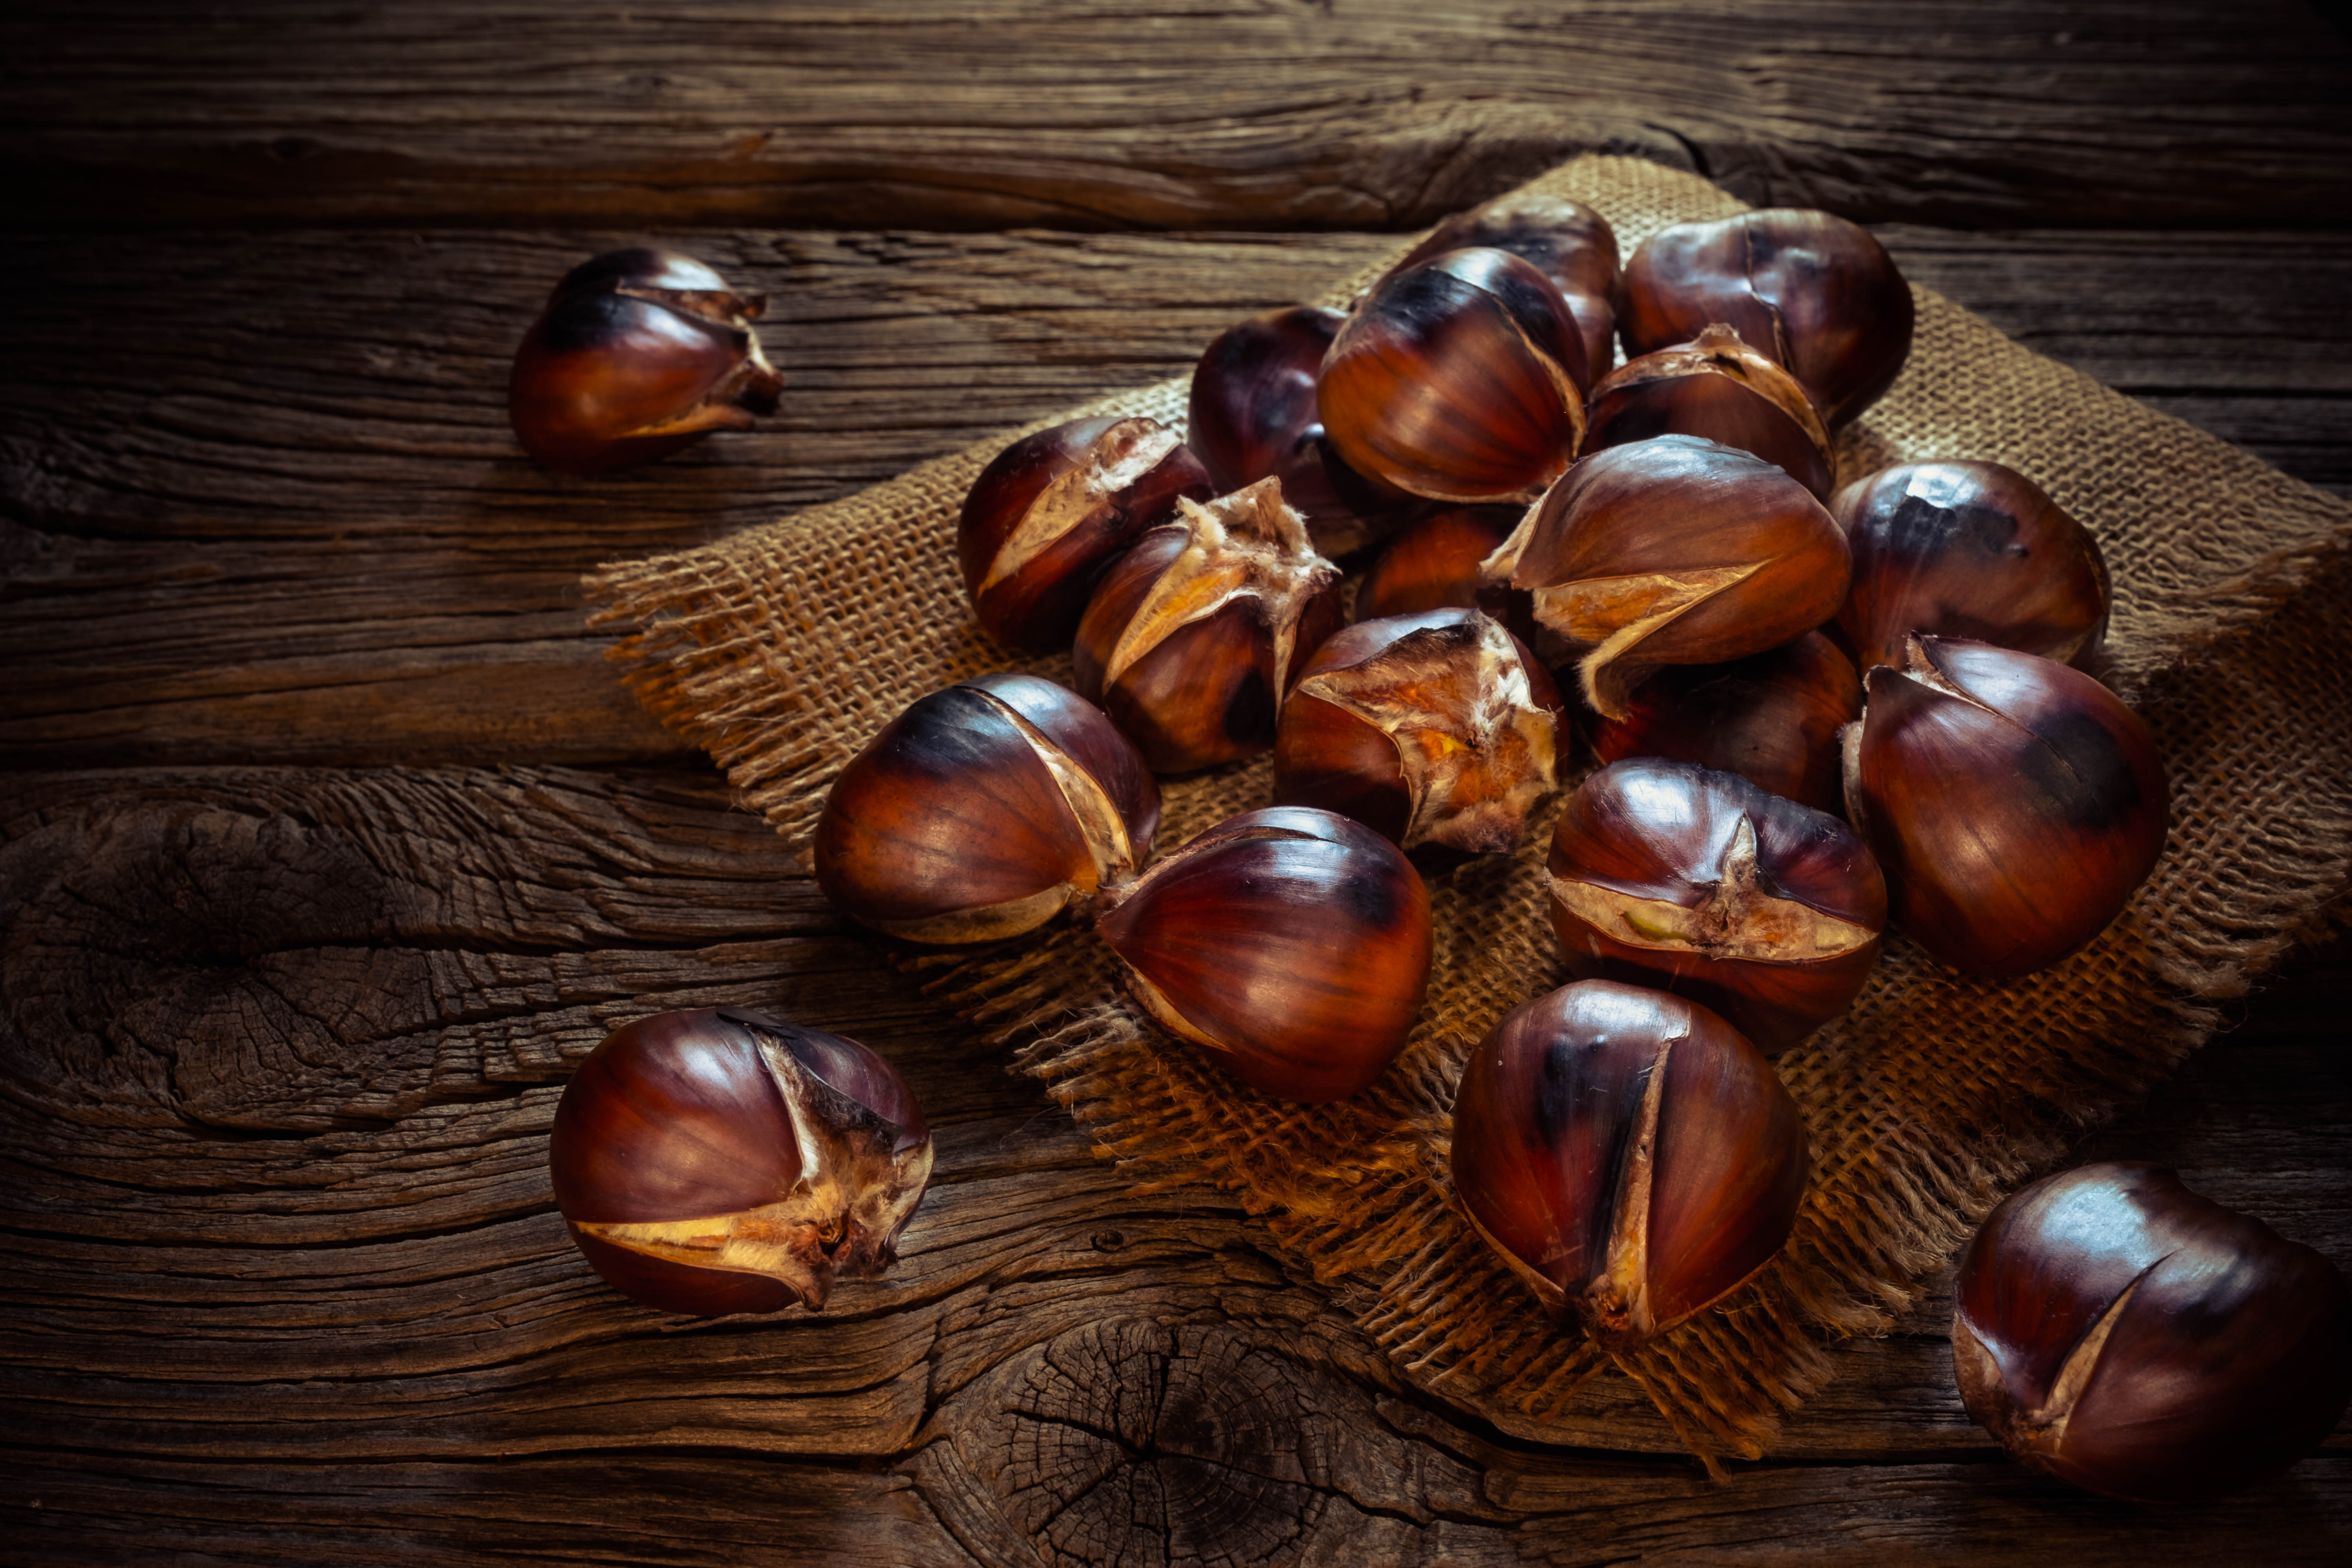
x=1135 y=1442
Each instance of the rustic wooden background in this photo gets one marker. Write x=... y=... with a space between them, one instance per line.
x=329 y=841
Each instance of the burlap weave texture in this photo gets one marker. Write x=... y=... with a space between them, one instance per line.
x=1935 y=1094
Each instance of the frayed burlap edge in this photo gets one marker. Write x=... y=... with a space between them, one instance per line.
x=1936 y=1093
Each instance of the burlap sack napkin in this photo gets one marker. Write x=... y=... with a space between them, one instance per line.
x=783 y=649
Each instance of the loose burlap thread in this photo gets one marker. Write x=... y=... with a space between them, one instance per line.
x=783 y=649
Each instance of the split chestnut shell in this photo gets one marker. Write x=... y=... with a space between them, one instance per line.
x=1292 y=945
x=1968 y=549
x=2013 y=802
x=1050 y=512
x=1671 y=550
x=1431 y=728
x=1718 y=387
x=1192 y=639
x=721 y=1161
x=983 y=811
x=1675 y=876
x=1815 y=292
x=1461 y=379
x=2121 y=1332
x=639 y=352
x=1629 y=1155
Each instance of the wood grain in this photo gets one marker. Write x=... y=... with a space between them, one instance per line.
x=1280 y=114
x=294 y=527
x=280 y=1049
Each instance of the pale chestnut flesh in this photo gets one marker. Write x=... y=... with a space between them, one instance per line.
x=720 y=1161
x=2116 y=1330
x=1628 y=1154
x=1698 y=882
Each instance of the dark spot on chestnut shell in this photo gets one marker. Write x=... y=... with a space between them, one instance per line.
x=1371 y=900
x=1919 y=529
x=613 y=268
x=1249 y=712
x=2083 y=770
x=584 y=322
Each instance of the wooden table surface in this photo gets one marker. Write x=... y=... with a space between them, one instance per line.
x=329 y=841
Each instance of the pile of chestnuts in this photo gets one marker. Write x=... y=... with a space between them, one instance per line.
x=1821 y=713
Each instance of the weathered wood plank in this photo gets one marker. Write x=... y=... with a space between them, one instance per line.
x=1129 y=113
x=294 y=528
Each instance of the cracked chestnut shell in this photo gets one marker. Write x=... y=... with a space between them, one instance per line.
x=639 y=352
x=1817 y=294
x=1677 y=877
x=1567 y=241
x=2123 y=1333
x=1718 y=387
x=1437 y=728
x=983 y=811
x=722 y=1161
x=1050 y=512
x=1251 y=415
x=1968 y=549
x=1773 y=718
x=2014 y=802
x=1461 y=379
x=1291 y=946
x=1628 y=1154
x=1671 y=551
x=1193 y=638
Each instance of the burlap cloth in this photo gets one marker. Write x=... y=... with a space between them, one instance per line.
x=783 y=649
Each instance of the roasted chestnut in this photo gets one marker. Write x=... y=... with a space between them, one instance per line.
x=1718 y=387
x=722 y=1161
x=1671 y=550
x=2116 y=1331
x=1193 y=638
x=1674 y=876
x=1461 y=379
x=1431 y=728
x=1053 y=510
x=1251 y=416
x=1568 y=242
x=1628 y=1154
x=1432 y=562
x=983 y=811
x=1292 y=945
x=1818 y=294
x=1968 y=549
x=1773 y=718
x=2013 y=802
x=637 y=353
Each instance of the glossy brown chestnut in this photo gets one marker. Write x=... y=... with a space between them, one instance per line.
x=1628 y=1154
x=1773 y=718
x=1437 y=728
x=983 y=811
x=639 y=352
x=1432 y=562
x=1461 y=379
x=1568 y=242
x=1968 y=549
x=722 y=1161
x=2123 y=1333
x=1718 y=387
x=1671 y=550
x=1817 y=293
x=2013 y=802
x=1252 y=417
x=1193 y=638
x=1680 y=878
x=1292 y=945
x=1053 y=510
